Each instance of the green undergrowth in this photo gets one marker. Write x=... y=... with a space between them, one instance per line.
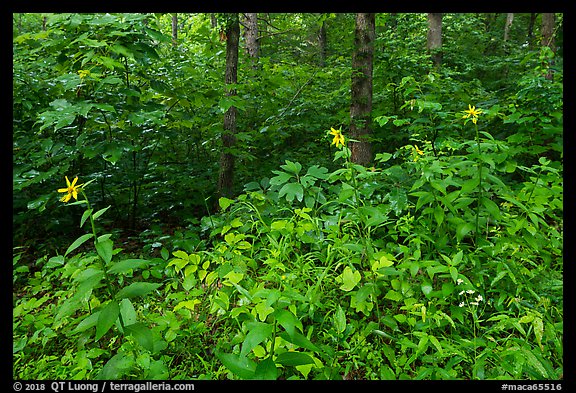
x=433 y=264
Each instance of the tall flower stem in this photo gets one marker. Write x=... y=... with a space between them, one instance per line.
x=95 y=234
x=479 y=185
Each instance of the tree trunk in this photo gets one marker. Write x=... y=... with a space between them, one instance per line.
x=548 y=24
x=361 y=100
x=226 y=175
x=530 y=32
x=434 y=39
x=322 y=43
x=251 y=37
x=508 y=25
x=174 y=29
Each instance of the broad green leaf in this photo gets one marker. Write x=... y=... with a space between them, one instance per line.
x=288 y=321
x=117 y=366
x=224 y=203
x=128 y=312
x=266 y=370
x=463 y=229
x=538 y=326
x=282 y=178
x=426 y=288
x=300 y=340
x=535 y=363
x=136 y=289
x=87 y=323
x=394 y=296
x=339 y=320
x=78 y=242
x=439 y=215
x=291 y=190
x=100 y=212
x=104 y=249
x=142 y=334
x=457 y=258
x=85 y=216
x=349 y=279
x=106 y=318
x=292 y=167
x=318 y=172
x=294 y=358
x=238 y=365
x=257 y=332
x=127 y=265
x=492 y=208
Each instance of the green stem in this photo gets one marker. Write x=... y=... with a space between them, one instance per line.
x=95 y=234
x=479 y=185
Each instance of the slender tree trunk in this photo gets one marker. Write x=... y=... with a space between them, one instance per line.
x=226 y=175
x=434 y=39
x=251 y=37
x=530 y=32
x=361 y=100
x=174 y=29
x=322 y=43
x=548 y=24
x=213 y=21
x=508 y=25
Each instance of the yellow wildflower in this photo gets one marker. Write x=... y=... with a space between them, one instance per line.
x=472 y=111
x=338 y=137
x=418 y=151
x=71 y=190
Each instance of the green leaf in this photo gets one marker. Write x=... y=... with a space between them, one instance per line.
x=106 y=318
x=257 y=332
x=288 y=321
x=127 y=265
x=266 y=370
x=117 y=366
x=224 y=203
x=136 y=289
x=238 y=365
x=100 y=212
x=128 y=312
x=294 y=359
x=318 y=172
x=393 y=295
x=292 y=167
x=142 y=334
x=340 y=320
x=462 y=230
x=77 y=243
x=492 y=208
x=426 y=288
x=300 y=340
x=291 y=190
x=85 y=216
x=104 y=249
x=87 y=323
x=349 y=279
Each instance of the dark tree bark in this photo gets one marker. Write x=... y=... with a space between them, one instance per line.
x=361 y=100
x=226 y=175
x=434 y=38
x=530 y=32
x=548 y=25
x=174 y=29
